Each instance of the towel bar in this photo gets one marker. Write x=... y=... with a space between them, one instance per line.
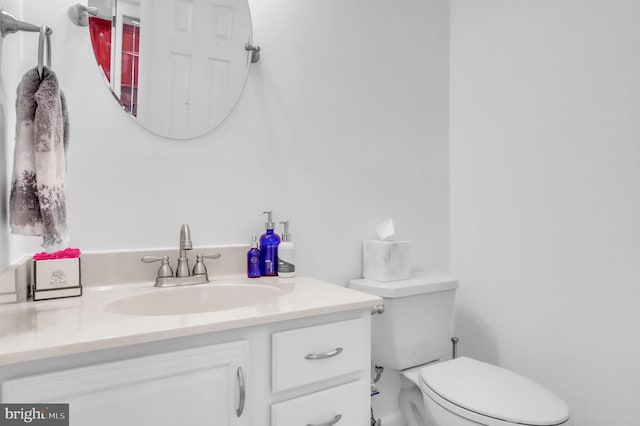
x=9 y=24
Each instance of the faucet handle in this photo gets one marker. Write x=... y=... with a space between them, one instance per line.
x=212 y=256
x=165 y=269
x=199 y=268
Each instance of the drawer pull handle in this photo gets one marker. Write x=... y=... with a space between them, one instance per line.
x=242 y=392
x=335 y=420
x=323 y=356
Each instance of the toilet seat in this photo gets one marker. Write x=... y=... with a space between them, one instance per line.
x=491 y=395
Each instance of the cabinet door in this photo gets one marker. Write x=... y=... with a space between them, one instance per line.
x=346 y=405
x=191 y=387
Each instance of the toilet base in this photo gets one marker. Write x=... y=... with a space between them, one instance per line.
x=417 y=409
x=411 y=407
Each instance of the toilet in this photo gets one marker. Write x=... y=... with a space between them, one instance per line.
x=413 y=336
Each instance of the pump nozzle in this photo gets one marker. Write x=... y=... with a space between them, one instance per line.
x=285 y=235
x=269 y=224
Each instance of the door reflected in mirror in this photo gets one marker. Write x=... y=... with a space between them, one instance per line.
x=178 y=67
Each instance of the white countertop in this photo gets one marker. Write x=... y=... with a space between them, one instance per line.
x=36 y=330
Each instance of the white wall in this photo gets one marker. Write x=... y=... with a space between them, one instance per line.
x=343 y=124
x=10 y=55
x=545 y=195
x=4 y=186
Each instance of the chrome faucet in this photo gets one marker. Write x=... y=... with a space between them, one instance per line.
x=183 y=275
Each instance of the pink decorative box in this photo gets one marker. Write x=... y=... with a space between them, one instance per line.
x=56 y=275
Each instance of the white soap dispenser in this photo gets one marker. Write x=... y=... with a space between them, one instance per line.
x=286 y=254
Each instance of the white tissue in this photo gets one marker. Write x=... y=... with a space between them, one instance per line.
x=385 y=230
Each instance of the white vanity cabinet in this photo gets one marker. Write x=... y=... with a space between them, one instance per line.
x=308 y=371
x=202 y=386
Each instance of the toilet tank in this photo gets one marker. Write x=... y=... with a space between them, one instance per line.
x=416 y=325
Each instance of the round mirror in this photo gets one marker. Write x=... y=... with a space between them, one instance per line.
x=178 y=67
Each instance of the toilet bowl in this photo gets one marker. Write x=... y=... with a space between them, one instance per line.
x=412 y=337
x=465 y=392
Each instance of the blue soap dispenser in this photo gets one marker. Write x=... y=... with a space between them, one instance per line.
x=269 y=242
x=253 y=260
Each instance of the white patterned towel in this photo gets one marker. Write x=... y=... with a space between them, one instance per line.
x=37 y=203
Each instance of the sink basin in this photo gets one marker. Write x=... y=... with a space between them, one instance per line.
x=195 y=299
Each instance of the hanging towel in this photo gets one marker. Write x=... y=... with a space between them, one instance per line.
x=37 y=202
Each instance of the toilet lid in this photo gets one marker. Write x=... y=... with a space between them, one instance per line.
x=486 y=390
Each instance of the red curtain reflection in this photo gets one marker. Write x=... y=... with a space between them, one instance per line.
x=100 y=32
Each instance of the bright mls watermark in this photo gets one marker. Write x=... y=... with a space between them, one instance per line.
x=34 y=414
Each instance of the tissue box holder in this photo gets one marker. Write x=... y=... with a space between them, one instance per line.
x=56 y=278
x=386 y=261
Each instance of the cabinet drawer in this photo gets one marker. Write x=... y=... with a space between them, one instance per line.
x=312 y=354
x=346 y=405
